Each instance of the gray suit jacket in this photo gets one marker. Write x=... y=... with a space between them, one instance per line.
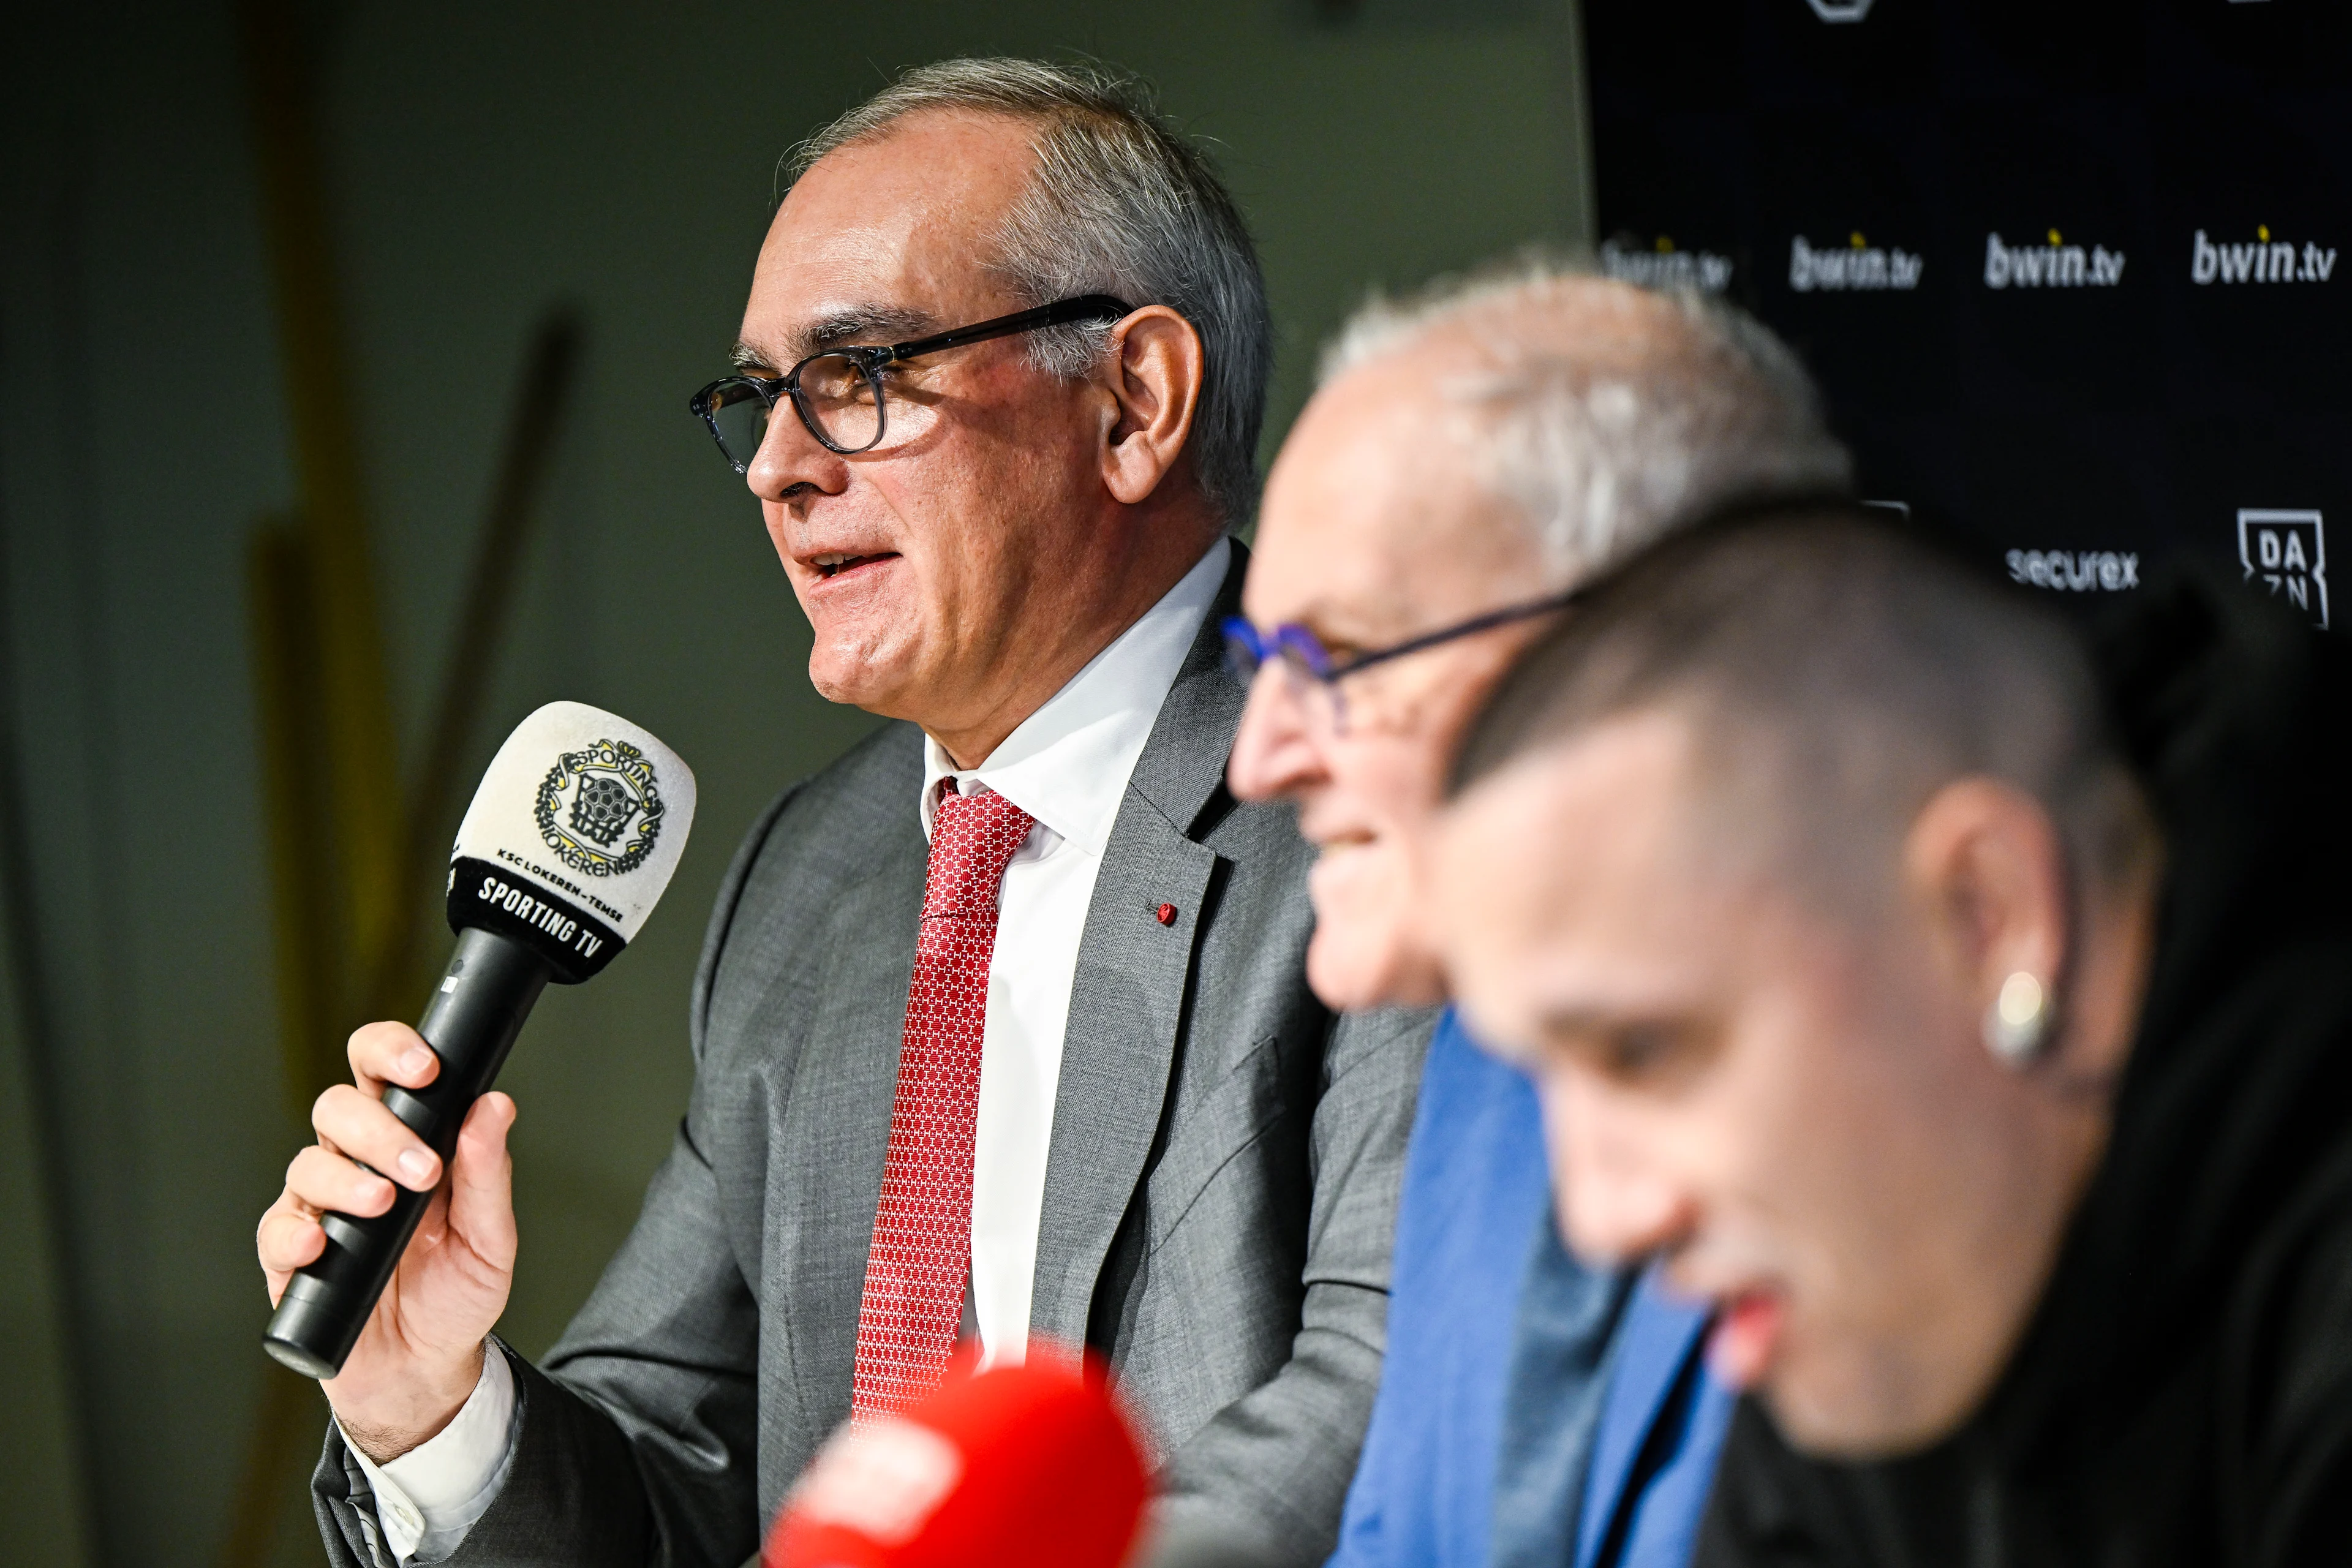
x=1220 y=1192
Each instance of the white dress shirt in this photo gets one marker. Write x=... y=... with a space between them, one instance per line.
x=428 y=1497
x=1066 y=766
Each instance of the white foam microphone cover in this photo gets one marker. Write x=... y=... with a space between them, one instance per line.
x=571 y=837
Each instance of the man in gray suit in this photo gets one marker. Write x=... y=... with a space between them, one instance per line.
x=1018 y=960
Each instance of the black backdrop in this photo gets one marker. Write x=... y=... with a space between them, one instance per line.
x=2068 y=270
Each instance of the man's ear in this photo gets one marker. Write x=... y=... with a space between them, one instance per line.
x=1153 y=371
x=1988 y=864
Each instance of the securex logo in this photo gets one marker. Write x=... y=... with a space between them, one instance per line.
x=2056 y=265
x=2075 y=571
x=1856 y=264
x=2263 y=260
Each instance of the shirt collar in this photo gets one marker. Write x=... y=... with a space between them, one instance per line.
x=1067 y=765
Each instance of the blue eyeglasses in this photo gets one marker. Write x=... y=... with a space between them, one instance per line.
x=1248 y=650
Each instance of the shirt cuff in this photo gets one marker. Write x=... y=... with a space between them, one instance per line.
x=427 y=1499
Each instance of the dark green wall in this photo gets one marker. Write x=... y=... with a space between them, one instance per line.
x=484 y=161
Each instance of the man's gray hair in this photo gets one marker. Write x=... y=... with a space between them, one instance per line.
x=1122 y=204
x=1605 y=412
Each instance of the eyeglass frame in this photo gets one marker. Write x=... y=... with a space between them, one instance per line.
x=1307 y=654
x=871 y=359
x=1248 y=650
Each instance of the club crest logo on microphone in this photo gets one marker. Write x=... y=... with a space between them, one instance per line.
x=590 y=801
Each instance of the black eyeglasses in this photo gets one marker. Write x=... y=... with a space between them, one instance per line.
x=1247 y=649
x=838 y=393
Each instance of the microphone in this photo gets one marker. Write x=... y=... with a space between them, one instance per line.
x=1032 y=1465
x=571 y=841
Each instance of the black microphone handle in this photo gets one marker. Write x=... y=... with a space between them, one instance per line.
x=471 y=1023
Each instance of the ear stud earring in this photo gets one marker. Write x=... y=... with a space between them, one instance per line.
x=2018 y=1023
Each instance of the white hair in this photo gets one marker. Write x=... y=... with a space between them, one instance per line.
x=1608 y=413
x=1122 y=204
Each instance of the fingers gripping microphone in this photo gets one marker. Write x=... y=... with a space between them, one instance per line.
x=1021 y=1467
x=568 y=846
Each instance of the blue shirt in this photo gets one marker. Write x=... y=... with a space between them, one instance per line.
x=1662 y=1429
x=1500 y=1350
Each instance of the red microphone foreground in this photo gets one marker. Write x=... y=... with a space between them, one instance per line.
x=1031 y=1465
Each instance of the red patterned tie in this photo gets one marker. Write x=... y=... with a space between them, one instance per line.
x=921 y=1254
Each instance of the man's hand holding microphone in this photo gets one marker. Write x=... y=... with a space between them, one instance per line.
x=387 y=1278
x=420 y=1354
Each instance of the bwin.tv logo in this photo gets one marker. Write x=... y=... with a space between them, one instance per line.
x=2288 y=552
x=1840 y=10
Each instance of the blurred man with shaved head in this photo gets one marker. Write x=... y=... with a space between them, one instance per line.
x=1961 y=1009
x=1470 y=455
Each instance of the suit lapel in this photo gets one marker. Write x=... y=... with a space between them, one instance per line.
x=1127 y=1002
x=828 y=1182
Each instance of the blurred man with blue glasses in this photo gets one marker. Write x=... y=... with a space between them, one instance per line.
x=1470 y=458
